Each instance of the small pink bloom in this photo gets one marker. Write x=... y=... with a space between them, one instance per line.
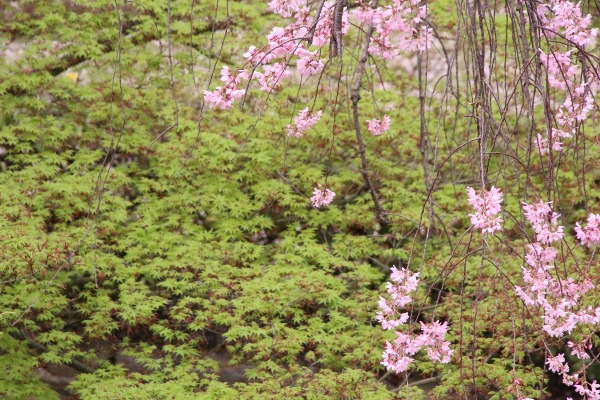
x=310 y=64
x=486 y=205
x=272 y=76
x=396 y=356
x=557 y=363
x=285 y=8
x=321 y=197
x=365 y=13
x=224 y=96
x=579 y=349
x=544 y=221
x=305 y=120
x=590 y=235
x=377 y=127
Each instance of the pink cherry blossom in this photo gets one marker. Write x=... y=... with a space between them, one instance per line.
x=487 y=206
x=564 y=19
x=590 y=235
x=561 y=70
x=544 y=221
x=382 y=46
x=395 y=358
x=557 y=363
x=397 y=355
x=579 y=349
x=285 y=8
x=224 y=96
x=304 y=20
x=406 y=19
x=588 y=390
x=254 y=56
x=272 y=76
x=365 y=13
x=321 y=197
x=539 y=255
x=377 y=127
x=325 y=24
x=433 y=336
x=305 y=120
x=558 y=299
x=402 y=283
x=283 y=42
x=310 y=64
x=544 y=144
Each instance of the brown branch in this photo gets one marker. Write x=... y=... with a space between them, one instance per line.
x=336 y=45
x=311 y=32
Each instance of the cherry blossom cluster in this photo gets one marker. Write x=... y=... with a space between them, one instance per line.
x=305 y=120
x=558 y=299
x=566 y=19
x=398 y=355
x=590 y=235
x=270 y=64
x=544 y=221
x=377 y=126
x=403 y=18
x=563 y=18
x=321 y=197
x=487 y=206
x=224 y=96
x=587 y=390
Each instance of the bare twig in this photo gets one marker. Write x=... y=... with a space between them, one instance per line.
x=355 y=97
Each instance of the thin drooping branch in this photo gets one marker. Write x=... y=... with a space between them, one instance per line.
x=355 y=97
x=424 y=145
x=311 y=32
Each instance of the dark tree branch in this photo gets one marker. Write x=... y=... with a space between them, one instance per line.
x=311 y=32
x=336 y=45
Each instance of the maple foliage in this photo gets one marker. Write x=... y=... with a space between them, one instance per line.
x=191 y=210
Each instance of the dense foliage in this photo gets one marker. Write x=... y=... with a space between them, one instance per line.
x=157 y=249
